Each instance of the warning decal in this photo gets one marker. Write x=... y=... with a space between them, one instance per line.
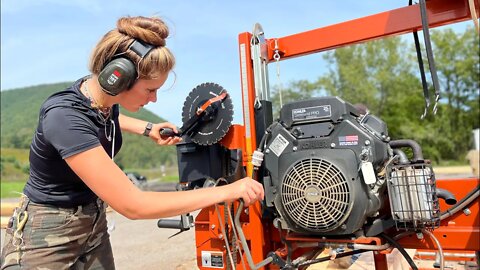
x=212 y=259
x=278 y=145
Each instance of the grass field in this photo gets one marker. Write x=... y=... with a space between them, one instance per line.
x=11 y=189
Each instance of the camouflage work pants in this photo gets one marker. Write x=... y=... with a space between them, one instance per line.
x=57 y=238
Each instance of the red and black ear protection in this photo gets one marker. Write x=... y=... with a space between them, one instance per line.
x=120 y=73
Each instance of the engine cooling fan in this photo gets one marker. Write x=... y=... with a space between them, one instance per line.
x=316 y=195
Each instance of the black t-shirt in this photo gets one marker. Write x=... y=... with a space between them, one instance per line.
x=67 y=125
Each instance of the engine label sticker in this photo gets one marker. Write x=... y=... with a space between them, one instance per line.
x=212 y=259
x=348 y=140
x=278 y=145
x=368 y=173
x=311 y=113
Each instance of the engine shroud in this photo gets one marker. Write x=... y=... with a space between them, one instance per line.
x=313 y=157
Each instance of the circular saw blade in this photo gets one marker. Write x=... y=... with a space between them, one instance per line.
x=212 y=128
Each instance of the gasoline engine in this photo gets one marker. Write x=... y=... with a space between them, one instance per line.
x=329 y=167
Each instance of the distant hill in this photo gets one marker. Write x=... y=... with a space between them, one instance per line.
x=19 y=113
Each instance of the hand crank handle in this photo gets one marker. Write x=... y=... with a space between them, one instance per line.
x=170 y=224
x=168 y=132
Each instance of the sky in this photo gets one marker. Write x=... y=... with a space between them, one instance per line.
x=50 y=41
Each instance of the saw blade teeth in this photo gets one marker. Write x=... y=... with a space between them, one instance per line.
x=211 y=131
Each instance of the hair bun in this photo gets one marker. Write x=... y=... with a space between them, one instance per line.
x=151 y=30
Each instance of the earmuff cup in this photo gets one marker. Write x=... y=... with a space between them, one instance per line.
x=118 y=75
x=121 y=73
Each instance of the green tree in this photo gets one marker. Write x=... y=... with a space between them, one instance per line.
x=380 y=75
x=296 y=90
x=458 y=65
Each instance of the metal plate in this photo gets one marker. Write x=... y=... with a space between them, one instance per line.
x=211 y=129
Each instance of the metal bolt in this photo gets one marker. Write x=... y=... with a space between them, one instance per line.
x=343 y=226
x=367 y=142
x=213 y=226
x=267 y=151
x=419 y=236
x=467 y=211
x=276 y=223
x=294 y=148
x=332 y=145
x=220 y=236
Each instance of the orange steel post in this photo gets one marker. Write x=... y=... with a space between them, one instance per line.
x=254 y=228
x=380 y=261
x=248 y=97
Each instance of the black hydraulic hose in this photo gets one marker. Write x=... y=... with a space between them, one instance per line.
x=417 y=150
x=428 y=48
x=401 y=249
x=327 y=258
x=265 y=137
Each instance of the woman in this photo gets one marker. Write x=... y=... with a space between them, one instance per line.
x=60 y=223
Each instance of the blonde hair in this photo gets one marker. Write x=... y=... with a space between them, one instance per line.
x=151 y=30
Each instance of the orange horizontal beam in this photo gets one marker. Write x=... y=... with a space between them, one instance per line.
x=394 y=22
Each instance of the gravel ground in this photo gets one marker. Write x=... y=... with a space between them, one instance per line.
x=140 y=244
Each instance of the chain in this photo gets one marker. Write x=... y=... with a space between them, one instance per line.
x=95 y=104
x=104 y=113
x=435 y=107
x=276 y=57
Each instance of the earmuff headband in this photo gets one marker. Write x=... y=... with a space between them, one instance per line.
x=140 y=48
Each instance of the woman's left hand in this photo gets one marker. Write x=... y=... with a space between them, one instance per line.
x=163 y=140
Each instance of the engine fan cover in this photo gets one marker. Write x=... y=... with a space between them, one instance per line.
x=316 y=195
x=315 y=191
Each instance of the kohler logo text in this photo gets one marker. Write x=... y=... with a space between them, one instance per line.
x=299 y=111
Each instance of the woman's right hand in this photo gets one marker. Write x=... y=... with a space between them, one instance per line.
x=247 y=189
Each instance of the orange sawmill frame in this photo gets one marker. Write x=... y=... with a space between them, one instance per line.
x=458 y=232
